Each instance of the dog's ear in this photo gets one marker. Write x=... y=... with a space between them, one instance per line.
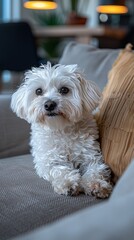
x=18 y=102
x=90 y=94
x=71 y=68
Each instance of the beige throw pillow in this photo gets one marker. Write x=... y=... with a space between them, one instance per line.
x=116 y=115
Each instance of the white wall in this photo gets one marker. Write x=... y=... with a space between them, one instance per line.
x=16 y=9
x=91 y=12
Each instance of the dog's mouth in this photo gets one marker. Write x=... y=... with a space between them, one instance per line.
x=55 y=114
x=52 y=114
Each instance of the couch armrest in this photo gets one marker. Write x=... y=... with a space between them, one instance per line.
x=14 y=132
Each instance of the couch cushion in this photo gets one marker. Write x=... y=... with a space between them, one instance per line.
x=27 y=202
x=14 y=132
x=94 y=62
x=110 y=220
x=116 y=114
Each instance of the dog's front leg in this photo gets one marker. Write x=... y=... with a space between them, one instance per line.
x=96 y=180
x=65 y=180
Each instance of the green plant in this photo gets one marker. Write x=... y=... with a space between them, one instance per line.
x=50 y=18
x=76 y=6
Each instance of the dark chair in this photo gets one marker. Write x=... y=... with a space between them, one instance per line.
x=129 y=38
x=17 y=47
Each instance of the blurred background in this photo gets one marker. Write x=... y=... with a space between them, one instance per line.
x=34 y=32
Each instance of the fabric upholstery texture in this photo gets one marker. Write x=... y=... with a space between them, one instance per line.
x=116 y=114
x=112 y=219
x=28 y=202
x=14 y=132
x=93 y=62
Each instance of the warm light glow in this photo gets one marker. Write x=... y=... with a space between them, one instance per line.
x=112 y=9
x=40 y=5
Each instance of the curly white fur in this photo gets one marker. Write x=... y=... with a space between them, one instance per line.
x=63 y=139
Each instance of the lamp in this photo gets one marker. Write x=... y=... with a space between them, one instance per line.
x=40 y=5
x=112 y=7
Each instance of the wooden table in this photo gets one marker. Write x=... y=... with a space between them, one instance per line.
x=80 y=33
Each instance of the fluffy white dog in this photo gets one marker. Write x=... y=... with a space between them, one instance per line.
x=58 y=103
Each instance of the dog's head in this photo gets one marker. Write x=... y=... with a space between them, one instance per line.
x=55 y=96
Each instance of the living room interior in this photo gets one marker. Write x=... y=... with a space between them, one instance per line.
x=98 y=36
x=53 y=29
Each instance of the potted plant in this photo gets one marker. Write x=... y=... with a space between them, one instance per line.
x=74 y=13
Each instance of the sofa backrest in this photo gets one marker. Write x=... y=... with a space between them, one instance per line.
x=93 y=62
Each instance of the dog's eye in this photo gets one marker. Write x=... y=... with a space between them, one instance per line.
x=63 y=90
x=39 y=91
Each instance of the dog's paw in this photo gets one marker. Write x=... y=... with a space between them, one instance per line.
x=72 y=190
x=67 y=183
x=100 y=191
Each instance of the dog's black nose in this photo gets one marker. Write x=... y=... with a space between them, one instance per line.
x=50 y=105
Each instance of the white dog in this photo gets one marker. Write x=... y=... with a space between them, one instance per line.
x=58 y=103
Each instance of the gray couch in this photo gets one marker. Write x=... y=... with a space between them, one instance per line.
x=29 y=209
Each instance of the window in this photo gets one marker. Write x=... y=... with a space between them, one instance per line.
x=10 y=10
x=1 y=10
x=6 y=10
